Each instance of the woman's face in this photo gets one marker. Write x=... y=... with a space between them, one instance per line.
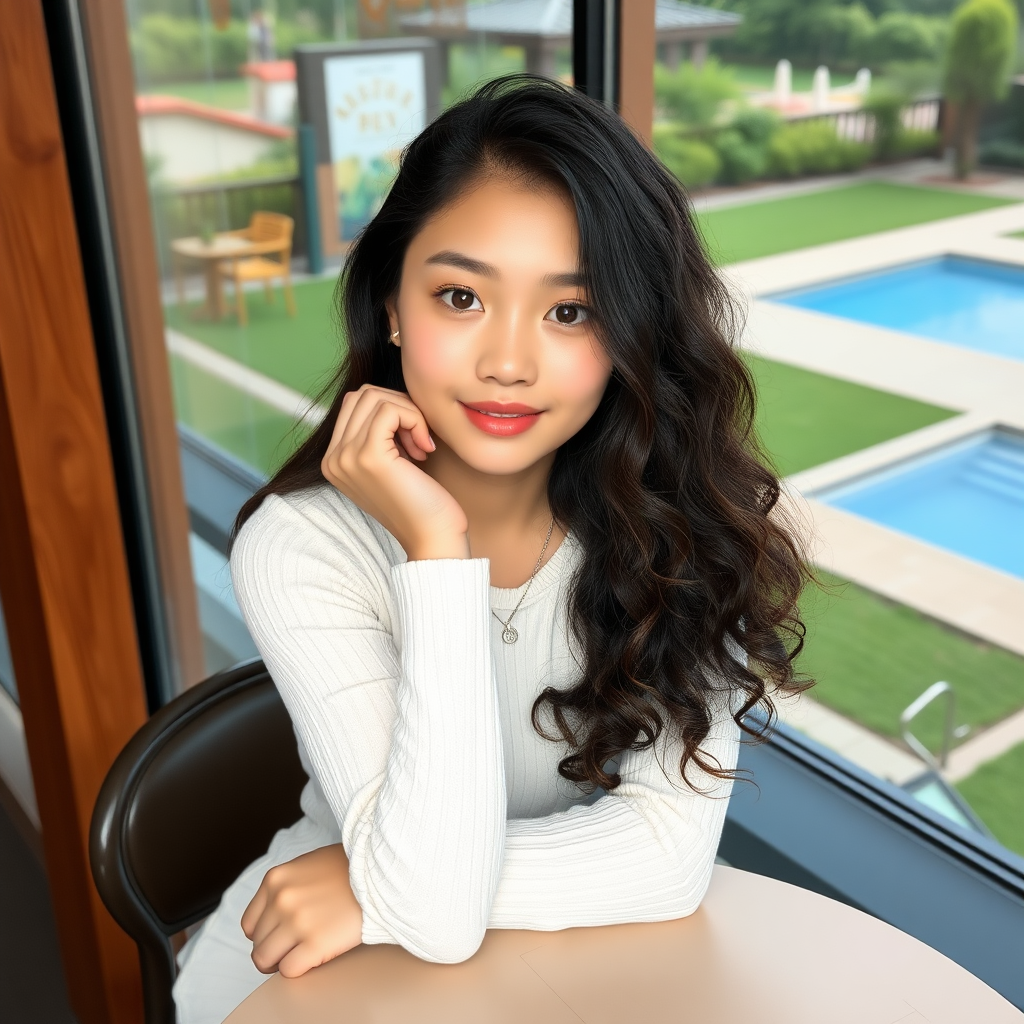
x=498 y=351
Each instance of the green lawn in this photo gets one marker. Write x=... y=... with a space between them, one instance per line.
x=780 y=225
x=996 y=792
x=805 y=418
x=252 y=431
x=298 y=351
x=871 y=658
x=227 y=93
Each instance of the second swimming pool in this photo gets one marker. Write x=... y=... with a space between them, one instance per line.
x=967 y=497
x=965 y=302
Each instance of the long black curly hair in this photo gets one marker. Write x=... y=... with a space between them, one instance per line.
x=688 y=579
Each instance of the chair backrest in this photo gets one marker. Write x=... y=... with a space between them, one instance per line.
x=195 y=796
x=271 y=227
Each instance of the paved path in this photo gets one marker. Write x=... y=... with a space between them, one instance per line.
x=269 y=391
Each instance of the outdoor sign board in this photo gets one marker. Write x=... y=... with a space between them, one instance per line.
x=366 y=101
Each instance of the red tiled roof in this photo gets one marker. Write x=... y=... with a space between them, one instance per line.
x=149 y=106
x=271 y=70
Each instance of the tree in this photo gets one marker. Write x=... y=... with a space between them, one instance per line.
x=979 y=57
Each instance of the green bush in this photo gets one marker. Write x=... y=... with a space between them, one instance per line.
x=693 y=162
x=900 y=36
x=166 y=48
x=812 y=147
x=885 y=103
x=693 y=95
x=743 y=146
x=1002 y=153
x=913 y=142
x=742 y=160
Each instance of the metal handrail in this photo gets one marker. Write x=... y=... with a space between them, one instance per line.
x=950 y=731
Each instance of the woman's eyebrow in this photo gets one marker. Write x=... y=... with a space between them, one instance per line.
x=572 y=279
x=449 y=258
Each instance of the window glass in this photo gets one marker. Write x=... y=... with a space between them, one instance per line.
x=6 y=668
x=249 y=142
x=908 y=473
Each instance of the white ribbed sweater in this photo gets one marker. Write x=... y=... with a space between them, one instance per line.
x=413 y=721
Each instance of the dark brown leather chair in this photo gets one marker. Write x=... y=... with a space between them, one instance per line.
x=195 y=796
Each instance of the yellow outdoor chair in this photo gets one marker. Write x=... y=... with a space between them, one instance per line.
x=268 y=257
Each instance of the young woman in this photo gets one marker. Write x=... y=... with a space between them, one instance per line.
x=522 y=585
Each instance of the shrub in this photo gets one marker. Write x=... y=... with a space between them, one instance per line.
x=690 y=95
x=167 y=48
x=978 y=62
x=694 y=163
x=900 y=36
x=812 y=147
x=914 y=142
x=742 y=160
x=886 y=104
x=1002 y=153
x=743 y=146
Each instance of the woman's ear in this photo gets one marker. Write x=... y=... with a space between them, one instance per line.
x=392 y=310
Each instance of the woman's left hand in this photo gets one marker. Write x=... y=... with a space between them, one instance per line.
x=303 y=914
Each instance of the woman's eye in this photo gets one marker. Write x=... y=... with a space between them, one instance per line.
x=567 y=313
x=461 y=299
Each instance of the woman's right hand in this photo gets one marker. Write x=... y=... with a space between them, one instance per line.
x=377 y=435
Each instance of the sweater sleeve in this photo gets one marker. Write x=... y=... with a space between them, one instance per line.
x=403 y=737
x=643 y=852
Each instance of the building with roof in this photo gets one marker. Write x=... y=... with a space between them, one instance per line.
x=542 y=27
x=191 y=141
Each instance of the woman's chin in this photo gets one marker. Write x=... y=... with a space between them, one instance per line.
x=498 y=456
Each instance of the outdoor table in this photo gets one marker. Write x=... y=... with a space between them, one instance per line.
x=220 y=247
x=758 y=951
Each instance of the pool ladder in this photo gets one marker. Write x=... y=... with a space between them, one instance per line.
x=950 y=732
x=933 y=778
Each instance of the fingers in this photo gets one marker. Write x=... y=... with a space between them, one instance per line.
x=375 y=421
x=255 y=910
x=268 y=954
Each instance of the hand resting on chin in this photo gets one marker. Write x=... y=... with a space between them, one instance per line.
x=303 y=914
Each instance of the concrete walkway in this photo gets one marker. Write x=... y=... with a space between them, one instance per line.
x=269 y=391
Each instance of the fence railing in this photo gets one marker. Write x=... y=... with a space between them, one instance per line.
x=924 y=115
x=223 y=206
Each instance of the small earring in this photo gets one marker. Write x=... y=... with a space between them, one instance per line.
x=394 y=337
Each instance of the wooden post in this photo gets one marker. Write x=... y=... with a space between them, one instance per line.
x=63 y=575
x=113 y=87
x=636 y=65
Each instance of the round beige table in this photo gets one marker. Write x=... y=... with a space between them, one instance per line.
x=210 y=254
x=758 y=951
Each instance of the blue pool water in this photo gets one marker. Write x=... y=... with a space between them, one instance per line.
x=966 y=302
x=967 y=497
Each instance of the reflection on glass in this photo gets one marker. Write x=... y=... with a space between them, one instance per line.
x=748 y=122
x=223 y=113
x=6 y=667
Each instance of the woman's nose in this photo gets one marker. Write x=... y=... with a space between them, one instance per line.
x=508 y=353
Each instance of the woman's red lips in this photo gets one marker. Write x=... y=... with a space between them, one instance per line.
x=501 y=419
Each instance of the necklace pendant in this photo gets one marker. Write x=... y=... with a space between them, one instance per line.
x=509 y=634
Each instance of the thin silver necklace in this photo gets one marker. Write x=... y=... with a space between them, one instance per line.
x=508 y=633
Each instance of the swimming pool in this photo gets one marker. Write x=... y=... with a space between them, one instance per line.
x=967 y=497
x=965 y=302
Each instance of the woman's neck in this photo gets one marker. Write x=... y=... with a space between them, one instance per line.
x=508 y=514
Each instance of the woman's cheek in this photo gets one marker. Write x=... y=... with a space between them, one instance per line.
x=582 y=378
x=431 y=355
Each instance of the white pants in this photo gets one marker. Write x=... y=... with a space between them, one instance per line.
x=216 y=969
